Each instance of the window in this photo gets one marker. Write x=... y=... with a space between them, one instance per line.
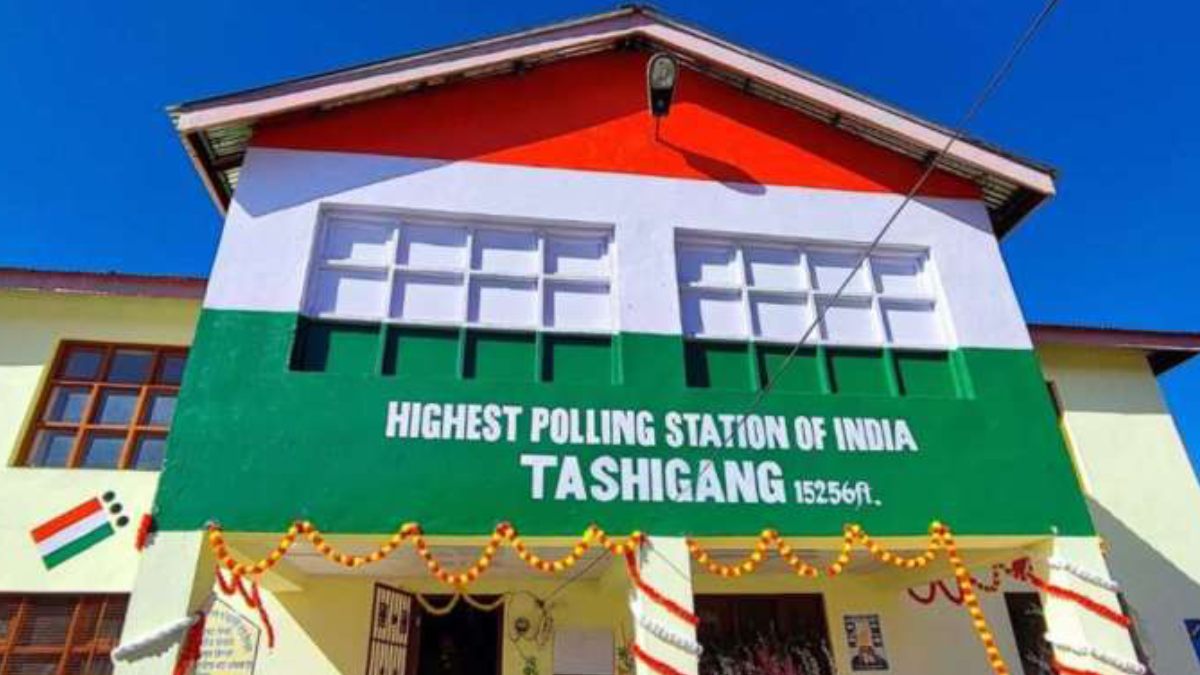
x=375 y=268
x=106 y=406
x=772 y=292
x=59 y=634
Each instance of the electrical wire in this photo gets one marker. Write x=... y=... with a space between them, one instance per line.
x=930 y=166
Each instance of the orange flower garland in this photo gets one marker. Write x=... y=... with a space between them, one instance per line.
x=940 y=538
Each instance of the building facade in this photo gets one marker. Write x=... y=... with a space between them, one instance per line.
x=496 y=372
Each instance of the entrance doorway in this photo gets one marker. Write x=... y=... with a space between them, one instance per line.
x=407 y=640
x=464 y=642
x=754 y=634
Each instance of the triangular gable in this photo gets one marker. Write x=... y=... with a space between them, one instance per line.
x=589 y=113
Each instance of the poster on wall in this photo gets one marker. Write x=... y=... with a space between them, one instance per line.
x=230 y=643
x=864 y=637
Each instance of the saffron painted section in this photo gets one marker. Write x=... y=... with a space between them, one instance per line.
x=281 y=194
x=1141 y=490
x=256 y=445
x=589 y=114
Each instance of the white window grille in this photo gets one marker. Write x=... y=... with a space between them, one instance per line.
x=384 y=268
x=773 y=291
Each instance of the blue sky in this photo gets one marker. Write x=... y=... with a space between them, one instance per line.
x=93 y=178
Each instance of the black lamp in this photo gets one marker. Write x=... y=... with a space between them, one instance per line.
x=662 y=72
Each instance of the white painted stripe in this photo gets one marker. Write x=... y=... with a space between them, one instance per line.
x=267 y=240
x=71 y=533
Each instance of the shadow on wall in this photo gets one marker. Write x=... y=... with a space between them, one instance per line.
x=1158 y=595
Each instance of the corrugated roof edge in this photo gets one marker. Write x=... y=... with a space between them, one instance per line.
x=1164 y=349
x=102 y=283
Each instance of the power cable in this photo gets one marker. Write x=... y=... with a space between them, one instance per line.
x=930 y=166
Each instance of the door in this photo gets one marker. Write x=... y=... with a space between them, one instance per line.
x=392 y=625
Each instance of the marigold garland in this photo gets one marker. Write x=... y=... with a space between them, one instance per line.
x=940 y=537
x=252 y=599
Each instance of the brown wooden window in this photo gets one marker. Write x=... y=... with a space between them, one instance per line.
x=59 y=634
x=106 y=406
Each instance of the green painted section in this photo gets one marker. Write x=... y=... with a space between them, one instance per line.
x=336 y=348
x=926 y=374
x=78 y=546
x=804 y=374
x=255 y=444
x=577 y=360
x=501 y=357
x=859 y=371
x=719 y=365
x=422 y=353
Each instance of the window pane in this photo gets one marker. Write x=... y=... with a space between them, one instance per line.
x=52 y=448
x=170 y=368
x=899 y=275
x=424 y=297
x=82 y=364
x=503 y=302
x=160 y=408
x=359 y=294
x=433 y=246
x=115 y=406
x=830 y=269
x=778 y=317
x=8 y=611
x=32 y=664
x=148 y=453
x=101 y=451
x=849 y=322
x=113 y=619
x=713 y=313
x=358 y=242
x=912 y=323
x=46 y=620
x=505 y=251
x=578 y=305
x=582 y=255
x=707 y=264
x=66 y=404
x=775 y=268
x=130 y=366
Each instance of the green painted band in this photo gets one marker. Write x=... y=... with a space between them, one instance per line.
x=78 y=546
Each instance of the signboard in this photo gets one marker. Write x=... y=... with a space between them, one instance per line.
x=864 y=638
x=230 y=643
x=361 y=452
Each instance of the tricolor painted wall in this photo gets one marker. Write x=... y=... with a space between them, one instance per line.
x=567 y=145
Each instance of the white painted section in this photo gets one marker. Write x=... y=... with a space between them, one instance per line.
x=263 y=260
x=72 y=532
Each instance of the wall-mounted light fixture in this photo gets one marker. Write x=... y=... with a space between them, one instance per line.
x=662 y=73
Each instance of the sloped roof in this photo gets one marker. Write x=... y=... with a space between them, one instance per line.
x=101 y=283
x=216 y=131
x=1164 y=349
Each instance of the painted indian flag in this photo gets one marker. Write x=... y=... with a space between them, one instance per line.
x=72 y=532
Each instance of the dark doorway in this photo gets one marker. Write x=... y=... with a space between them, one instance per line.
x=755 y=634
x=1029 y=630
x=464 y=642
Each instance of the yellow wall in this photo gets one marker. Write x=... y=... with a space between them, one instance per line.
x=1141 y=489
x=322 y=623
x=31 y=326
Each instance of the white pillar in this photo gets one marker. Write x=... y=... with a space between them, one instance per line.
x=1073 y=630
x=174 y=579
x=665 y=566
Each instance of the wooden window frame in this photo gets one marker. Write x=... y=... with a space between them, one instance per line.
x=74 y=644
x=132 y=432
